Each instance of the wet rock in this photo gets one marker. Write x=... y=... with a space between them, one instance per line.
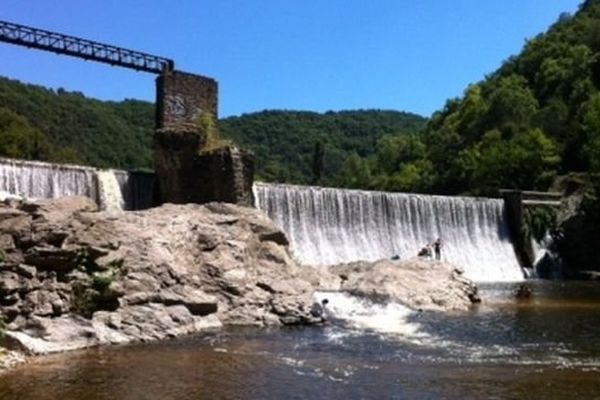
x=416 y=283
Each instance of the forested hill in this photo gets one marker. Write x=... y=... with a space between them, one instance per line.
x=290 y=145
x=536 y=116
x=61 y=126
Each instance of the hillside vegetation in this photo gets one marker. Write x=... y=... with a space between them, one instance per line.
x=61 y=126
x=308 y=147
x=536 y=116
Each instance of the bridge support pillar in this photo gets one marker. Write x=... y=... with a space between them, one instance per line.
x=182 y=97
x=513 y=203
x=188 y=170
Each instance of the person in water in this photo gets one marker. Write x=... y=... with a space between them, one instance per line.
x=437 y=248
x=524 y=291
x=318 y=309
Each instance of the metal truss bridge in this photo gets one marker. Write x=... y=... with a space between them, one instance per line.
x=82 y=48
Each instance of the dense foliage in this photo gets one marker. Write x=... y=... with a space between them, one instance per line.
x=61 y=126
x=308 y=147
x=536 y=116
x=38 y=123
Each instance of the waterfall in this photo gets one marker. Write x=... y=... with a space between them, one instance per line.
x=325 y=226
x=34 y=179
x=329 y=226
x=111 y=189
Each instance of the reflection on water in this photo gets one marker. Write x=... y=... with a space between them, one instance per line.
x=543 y=347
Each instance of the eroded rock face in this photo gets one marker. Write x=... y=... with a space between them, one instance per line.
x=72 y=277
x=416 y=283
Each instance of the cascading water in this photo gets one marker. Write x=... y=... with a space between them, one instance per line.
x=34 y=179
x=110 y=194
x=111 y=189
x=329 y=226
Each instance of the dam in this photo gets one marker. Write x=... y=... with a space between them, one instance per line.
x=324 y=225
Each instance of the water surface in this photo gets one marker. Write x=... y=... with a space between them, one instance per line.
x=547 y=347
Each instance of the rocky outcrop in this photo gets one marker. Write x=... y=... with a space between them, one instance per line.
x=72 y=277
x=576 y=238
x=416 y=283
x=189 y=172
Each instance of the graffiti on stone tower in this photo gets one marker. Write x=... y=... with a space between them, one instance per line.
x=182 y=97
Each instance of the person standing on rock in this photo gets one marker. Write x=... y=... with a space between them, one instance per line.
x=437 y=248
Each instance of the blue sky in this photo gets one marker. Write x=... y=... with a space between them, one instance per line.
x=314 y=55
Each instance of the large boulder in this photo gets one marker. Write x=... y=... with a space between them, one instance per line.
x=416 y=283
x=73 y=277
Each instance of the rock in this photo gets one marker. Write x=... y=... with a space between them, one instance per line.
x=10 y=213
x=56 y=210
x=11 y=282
x=44 y=303
x=47 y=257
x=6 y=242
x=49 y=335
x=416 y=283
x=28 y=271
x=91 y=278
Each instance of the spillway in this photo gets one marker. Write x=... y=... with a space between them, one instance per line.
x=324 y=225
x=329 y=226
x=111 y=189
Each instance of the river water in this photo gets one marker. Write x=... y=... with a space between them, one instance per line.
x=545 y=347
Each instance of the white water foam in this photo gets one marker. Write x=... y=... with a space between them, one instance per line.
x=364 y=315
x=330 y=226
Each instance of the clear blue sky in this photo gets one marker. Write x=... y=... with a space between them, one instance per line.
x=287 y=54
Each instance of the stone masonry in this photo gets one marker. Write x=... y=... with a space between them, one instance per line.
x=181 y=97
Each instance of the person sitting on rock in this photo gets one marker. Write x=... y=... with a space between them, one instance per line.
x=425 y=251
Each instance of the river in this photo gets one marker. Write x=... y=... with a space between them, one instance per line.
x=543 y=347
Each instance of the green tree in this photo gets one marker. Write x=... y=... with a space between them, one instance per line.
x=511 y=105
x=18 y=139
x=356 y=172
x=591 y=121
x=317 y=163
